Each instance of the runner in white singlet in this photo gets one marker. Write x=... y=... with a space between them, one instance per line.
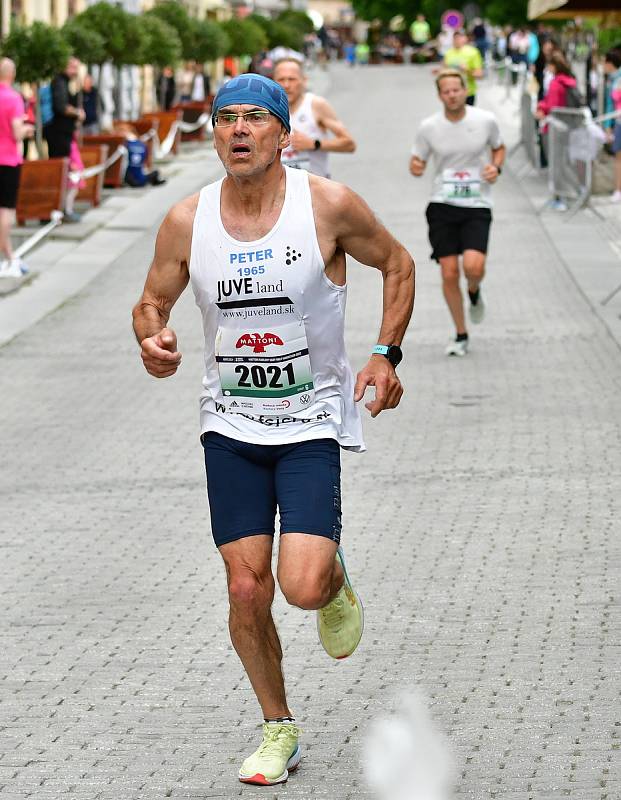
x=264 y=250
x=315 y=128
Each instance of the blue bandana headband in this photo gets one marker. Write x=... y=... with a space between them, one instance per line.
x=254 y=90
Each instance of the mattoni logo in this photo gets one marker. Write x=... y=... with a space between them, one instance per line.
x=258 y=341
x=463 y=174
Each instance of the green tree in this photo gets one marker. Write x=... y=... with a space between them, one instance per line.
x=279 y=33
x=85 y=43
x=121 y=33
x=39 y=52
x=124 y=37
x=175 y=15
x=162 y=45
x=298 y=20
x=246 y=37
x=209 y=41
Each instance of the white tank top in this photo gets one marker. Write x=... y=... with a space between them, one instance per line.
x=276 y=370
x=303 y=120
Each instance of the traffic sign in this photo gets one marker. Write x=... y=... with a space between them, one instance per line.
x=452 y=19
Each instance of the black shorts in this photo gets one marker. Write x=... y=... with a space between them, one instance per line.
x=9 y=184
x=453 y=229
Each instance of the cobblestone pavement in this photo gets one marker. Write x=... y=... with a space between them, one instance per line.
x=480 y=527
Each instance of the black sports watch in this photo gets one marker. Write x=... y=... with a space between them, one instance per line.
x=498 y=169
x=317 y=144
x=391 y=351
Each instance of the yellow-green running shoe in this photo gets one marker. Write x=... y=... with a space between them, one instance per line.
x=277 y=756
x=341 y=622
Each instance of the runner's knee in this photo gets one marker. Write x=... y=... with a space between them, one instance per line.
x=250 y=592
x=311 y=593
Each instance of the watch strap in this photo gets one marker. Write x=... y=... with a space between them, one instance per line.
x=380 y=350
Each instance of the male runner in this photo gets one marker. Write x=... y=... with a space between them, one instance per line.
x=467 y=59
x=459 y=214
x=264 y=249
x=312 y=119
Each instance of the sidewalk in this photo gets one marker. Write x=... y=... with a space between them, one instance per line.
x=74 y=255
x=589 y=242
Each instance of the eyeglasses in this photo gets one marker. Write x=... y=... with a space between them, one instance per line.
x=224 y=119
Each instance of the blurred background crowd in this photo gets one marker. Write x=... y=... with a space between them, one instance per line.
x=78 y=70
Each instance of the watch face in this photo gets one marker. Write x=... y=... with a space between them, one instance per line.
x=394 y=355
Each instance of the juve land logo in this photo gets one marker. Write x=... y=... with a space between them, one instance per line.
x=258 y=341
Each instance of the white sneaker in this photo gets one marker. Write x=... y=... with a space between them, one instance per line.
x=20 y=264
x=477 y=310
x=616 y=197
x=456 y=348
x=11 y=269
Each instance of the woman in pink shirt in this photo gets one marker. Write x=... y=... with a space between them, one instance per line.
x=13 y=129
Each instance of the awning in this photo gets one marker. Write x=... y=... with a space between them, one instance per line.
x=568 y=9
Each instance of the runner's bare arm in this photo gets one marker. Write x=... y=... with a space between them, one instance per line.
x=417 y=166
x=167 y=278
x=341 y=140
x=489 y=172
x=346 y=220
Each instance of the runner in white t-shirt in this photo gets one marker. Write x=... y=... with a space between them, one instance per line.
x=468 y=154
x=312 y=121
x=264 y=250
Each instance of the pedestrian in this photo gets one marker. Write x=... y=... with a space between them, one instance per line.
x=562 y=92
x=312 y=120
x=264 y=249
x=166 y=89
x=362 y=52
x=612 y=68
x=136 y=174
x=467 y=59
x=201 y=85
x=186 y=78
x=13 y=130
x=479 y=34
x=60 y=131
x=420 y=32
x=66 y=111
x=90 y=104
x=459 y=138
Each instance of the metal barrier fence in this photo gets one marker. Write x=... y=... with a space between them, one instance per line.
x=529 y=130
x=570 y=158
x=510 y=75
x=571 y=143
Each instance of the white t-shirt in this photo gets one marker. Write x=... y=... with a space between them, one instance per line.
x=460 y=150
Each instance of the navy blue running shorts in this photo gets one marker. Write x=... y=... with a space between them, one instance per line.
x=246 y=483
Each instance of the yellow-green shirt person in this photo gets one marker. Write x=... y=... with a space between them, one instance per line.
x=466 y=58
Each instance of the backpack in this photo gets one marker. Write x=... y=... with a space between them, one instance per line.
x=573 y=97
x=45 y=104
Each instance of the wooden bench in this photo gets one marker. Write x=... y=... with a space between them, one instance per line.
x=191 y=112
x=166 y=120
x=93 y=154
x=42 y=189
x=113 y=176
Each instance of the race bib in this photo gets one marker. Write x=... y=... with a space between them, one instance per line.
x=265 y=372
x=461 y=187
x=295 y=158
